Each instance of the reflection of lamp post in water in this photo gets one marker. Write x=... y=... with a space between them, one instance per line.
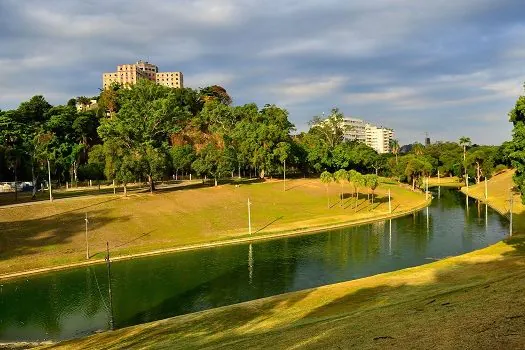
x=250 y=263
x=111 y=324
x=249 y=217
x=428 y=222
x=390 y=238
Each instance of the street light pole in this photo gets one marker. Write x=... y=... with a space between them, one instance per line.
x=87 y=241
x=49 y=177
x=284 y=173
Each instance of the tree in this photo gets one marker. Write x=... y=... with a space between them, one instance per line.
x=340 y=176
x=418 y=148
x=372 y=181
x=216 y=93
x=331 y=129
x=149 y=114
x=12 y=139
x=181 y=158
x=464 y=142
x=482 y=158
x=415 y=168
x=327 y=178
x=394 y=147
x=281 y=152
x=517 y=155
x=358 y=180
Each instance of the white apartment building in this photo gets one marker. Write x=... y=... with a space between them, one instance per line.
x=376 y=137
x=356 y=130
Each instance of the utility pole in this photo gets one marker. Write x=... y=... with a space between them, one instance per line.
x=284 y=174
x=108 y=261
x=49 y=177
x=249 y=217
x=511 y=208
x=389 y=203
x=486 y=190
x=87 y=241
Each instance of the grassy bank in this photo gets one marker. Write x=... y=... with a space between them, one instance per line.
x=474 y=301
x=448 y=181
x=53 y=234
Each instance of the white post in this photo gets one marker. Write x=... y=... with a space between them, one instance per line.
x=90 y=184
x=466 y=180
x=190 y=176
x=49 y=184
x=87 y=241
x=67 y=187
x=486 y=190
x=284 y=175
x=389 y=203
x=114 y=189
x=439 y=181
x=511 y=209
x=249 y=217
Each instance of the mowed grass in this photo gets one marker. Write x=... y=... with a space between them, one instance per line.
x=448 y=181
x=474 y=301
x=51 y=234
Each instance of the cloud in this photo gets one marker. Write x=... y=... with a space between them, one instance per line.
x=412 y=65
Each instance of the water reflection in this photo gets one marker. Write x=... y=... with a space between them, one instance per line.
x=74 y=303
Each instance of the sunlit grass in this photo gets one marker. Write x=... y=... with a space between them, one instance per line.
x=49 y=234
x=470 y=301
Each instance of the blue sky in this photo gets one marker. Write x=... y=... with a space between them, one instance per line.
x=451 y=68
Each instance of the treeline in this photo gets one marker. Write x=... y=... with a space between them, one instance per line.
x=150 y=132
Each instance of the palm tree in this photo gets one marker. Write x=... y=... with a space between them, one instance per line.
x=394 y=147
x=340 y=176
x=327 y=178
x=464 y=142
x=372 y=181
x=418 y=149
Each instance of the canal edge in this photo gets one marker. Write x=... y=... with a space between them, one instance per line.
x=234 y=241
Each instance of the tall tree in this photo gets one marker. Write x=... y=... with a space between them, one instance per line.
x=332 y=129
x=327 y=178
x=340 y=176
x=517 y=155
x=148 y=115
x=464 y=142
x=394 y=147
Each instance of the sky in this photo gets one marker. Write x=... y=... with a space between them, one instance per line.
x=449 y=68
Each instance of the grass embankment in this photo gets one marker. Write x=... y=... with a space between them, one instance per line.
x=53 y=234
x=474 y=301
x=449 y=181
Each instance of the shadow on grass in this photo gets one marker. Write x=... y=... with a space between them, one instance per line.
x=28 y=237
x=268 y=224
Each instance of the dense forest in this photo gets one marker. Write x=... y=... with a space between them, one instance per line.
x=149 y=132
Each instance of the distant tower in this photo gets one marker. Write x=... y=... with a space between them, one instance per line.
x=427 y=139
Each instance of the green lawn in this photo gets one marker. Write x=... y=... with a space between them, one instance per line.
x=51 y=234
x=474 y=301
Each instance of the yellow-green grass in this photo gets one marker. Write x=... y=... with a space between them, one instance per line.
x=53 y=234
x=448 y=181
x=473 y=301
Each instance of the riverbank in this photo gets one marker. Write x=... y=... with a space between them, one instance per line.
x=53 y=236
x=470 y=301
